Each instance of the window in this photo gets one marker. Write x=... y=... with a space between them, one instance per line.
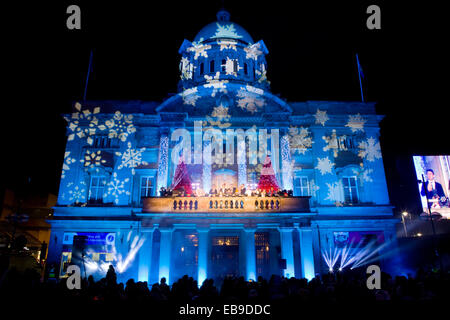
x=245 y=69
x=96 y=189
x=224 y=62
x=235 y=66
x=211 y=66
x=146 y=187
x=350 y=189
x=202 y=68
x=301 y=186
x=101 y=142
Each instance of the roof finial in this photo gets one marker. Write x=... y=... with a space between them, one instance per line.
x=223 y=15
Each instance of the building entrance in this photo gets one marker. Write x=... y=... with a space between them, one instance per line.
x=225 y=256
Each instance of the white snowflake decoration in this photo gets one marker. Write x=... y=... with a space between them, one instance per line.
x=78 y=193
x=229 y=67
x=324 y=165
x=227 y=45
x=187 y=69
x=116 y=187
x=250 y=98
x=215 y=83
x=261 y=74
x=369 y=149
x=83 y=116
x=200 y=50
x=299 y=139
x=190 y=96
x=93 y=159
x=365 y=175
x=226 y=31
x=120 y=126
x=131 y=158
x=253 y=51
x=314 y=188
x=321 y=117
x=66 y=164
x=356 y=122
x=334 y=193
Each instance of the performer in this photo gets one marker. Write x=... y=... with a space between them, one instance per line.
x=434 y=190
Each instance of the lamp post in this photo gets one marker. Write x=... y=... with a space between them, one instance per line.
x=404 y=215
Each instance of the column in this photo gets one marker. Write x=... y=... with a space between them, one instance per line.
x=306 y=253
x=250 y=257
x=202 y=255
x=287 y=250
x=165 y=249
x=145 y=255
x=286 y=163
x=163 y=161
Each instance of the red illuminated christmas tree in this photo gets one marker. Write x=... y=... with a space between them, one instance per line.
x=181 y=179
x=267 y=180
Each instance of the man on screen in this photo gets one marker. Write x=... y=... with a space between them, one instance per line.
x=434 y=189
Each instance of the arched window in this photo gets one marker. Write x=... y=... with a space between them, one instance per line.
x=202 y=68
x=235 y=66
x=224 y=65
x=211 y=66
x=245 y=69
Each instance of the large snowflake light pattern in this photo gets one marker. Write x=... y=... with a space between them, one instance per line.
x=334 y=193
x=77 y=123
x=116 y=187
x=66 y=164
x=227 y=45
x=250 y=98
x=190 y=96
x=356 y=122
x=321 y=117
x=200 y=50
x=215 y=83
x=93 y=159
x=299 y=139
x=131 y=158
x=226 y=31
x=369 y=149
x=120 y=126
x=324 y=165
x=253 y=51
x=77 y=194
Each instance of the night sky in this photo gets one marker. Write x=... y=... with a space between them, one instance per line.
x=312 y=47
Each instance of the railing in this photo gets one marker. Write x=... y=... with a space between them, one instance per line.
x=225 y=204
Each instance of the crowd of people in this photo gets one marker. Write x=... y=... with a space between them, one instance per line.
x=226 y=191
x=329 y=288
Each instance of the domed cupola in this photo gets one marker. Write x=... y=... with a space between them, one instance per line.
x=223 y=52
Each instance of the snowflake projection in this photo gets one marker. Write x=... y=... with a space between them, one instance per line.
x=80 y=117
x=261 y=74
x=365 y=175
x=227 y=45
x=321 y=117
x=77 y=194
x=218 y=115
x=186 y=68
x=250 y=98
x=131 y=158
x=369 y=149
x=190 y=96
x=253 y=51
x=93 y=159
x=120 y=126
x=216 y=84
x=116 y=188
x=226 y=31
x=314 y=188
x=356 y=122
x=334 y=193
x=333 y=144
x=230 y=69
x=66 y=164
x=200 y=50
x=299 y=139
x=324 y=165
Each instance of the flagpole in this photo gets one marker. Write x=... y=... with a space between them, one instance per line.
x=87 y=77
x=359 y=75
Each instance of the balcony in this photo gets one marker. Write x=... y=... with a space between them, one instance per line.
x=225 y=204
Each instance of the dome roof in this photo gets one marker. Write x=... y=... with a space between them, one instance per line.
x=223 y=28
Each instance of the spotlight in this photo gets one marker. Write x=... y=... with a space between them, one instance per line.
x=331 y=269
x=340 y=269
x=405 y=214
x=419 y=234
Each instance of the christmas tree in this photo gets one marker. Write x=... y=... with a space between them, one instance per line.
x=181 y=179
x=267 y=180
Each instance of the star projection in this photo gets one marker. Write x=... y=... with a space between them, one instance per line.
x=324 y=165
x=120 y=126
x=226 y=31
x=321 y=117
x=356 y=122
x=66 y=164
x=299 y=139
x=116 y=187
x=369 y=149
x=250 y=98
x=93 y=159
x=131 y=158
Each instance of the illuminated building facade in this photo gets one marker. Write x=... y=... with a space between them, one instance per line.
x=222 y=124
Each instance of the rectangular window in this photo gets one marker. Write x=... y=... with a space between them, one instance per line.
x=350 y=189
x=211 y=66
x=245 y=69
x=224 y=65
x=146 y=187
x=301 y=186
x=96 y=189
x=235 y=66
x=202 y=68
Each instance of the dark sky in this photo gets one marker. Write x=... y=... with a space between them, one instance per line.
x=312 y=47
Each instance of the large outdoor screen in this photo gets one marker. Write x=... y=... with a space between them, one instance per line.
x=433 y=180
